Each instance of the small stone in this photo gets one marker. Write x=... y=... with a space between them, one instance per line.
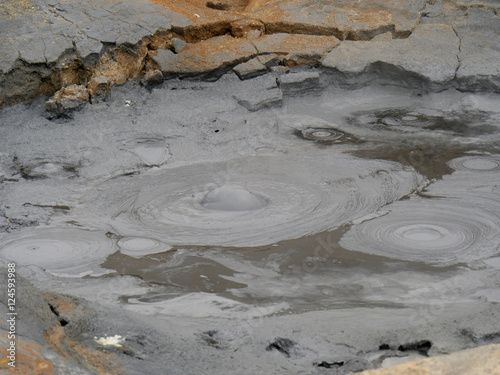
x=67 y=99
x=254 y=101
x=99 y=88
x=254 y=34
x=250 y=69
x=178 y=44
x=279 y=70
x=269 y=60
x=152 y=78
x=241 y=28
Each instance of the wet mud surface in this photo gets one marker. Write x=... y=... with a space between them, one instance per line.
x=343 y=231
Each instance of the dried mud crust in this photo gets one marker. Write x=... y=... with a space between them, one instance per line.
x=52 y=44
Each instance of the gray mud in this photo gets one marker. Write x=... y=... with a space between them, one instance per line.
x=341 y=231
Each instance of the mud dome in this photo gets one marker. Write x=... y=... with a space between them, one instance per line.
x=340 y=231
x=257 y=201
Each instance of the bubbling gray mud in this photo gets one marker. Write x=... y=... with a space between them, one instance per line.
x=233 y=198
x=222 y=175
x=322 y=134
x=459 y=224
x=409 y=120
x=437 y=231
x=249 y=202
x=65 y=252
x=49 y=170
x=476 y=163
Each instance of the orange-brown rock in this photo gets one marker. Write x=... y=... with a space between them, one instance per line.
x=68 y=99
x=479 y=361
x=97 y=361
x=121 y=64
x=29 y=358
x=206 y=57
x=99 y=88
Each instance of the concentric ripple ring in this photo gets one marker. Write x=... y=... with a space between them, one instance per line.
x=66 y=252
x=249 y=202
x=476 y=163
x=322 y=134
x=437 y=231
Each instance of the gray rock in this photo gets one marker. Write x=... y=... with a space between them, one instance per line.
x=485 y=4
x=164 y=58
x=260 y=100
x=88 y=49
x=280 y=70
x=67 y=100
x=269 y=60
x=479 y=51
x=8 y=56
x=250 y=69
x=34 y=319
x=31 y=46
x=258 y=93
x=296 y=82
x=430 y=52
x=178 y=44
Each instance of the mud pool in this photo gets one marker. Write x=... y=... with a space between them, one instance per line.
x=347 y=230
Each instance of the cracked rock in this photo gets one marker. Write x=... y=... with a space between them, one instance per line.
x=430 y=52
x=479 y=51
x=296 y=82
x=258 y=93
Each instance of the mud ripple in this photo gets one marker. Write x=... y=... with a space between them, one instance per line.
x=255 y=201
x=322 y=134
x=476 y=163
x=437 y=231
x=66 y=252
